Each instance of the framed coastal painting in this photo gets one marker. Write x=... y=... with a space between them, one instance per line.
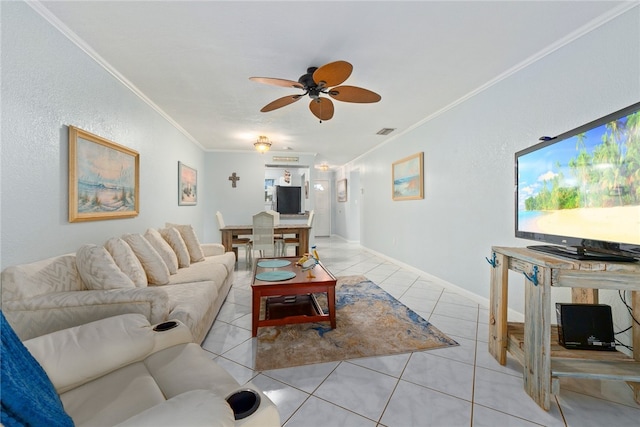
x=187 y=185
x=341 y=189
x=103 y=178
x=407 y=179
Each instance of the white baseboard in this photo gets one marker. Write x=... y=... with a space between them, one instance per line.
x=484 y=302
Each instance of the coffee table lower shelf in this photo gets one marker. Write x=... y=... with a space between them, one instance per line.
x=284 y=310
x=281 y=307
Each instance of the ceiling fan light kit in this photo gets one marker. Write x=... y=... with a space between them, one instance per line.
x=318 y=81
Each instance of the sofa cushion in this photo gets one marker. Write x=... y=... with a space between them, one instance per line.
x=113 y=398
x=193 y=244
x=157 y=271
x=56 y=274
x=191 y=408
x=228 y=259
x=173 y=237
x=201 y=272
x=98 y=270
x=165 y=366
x=126 y=260
x=28 y=396
x=163 y=248
x=190 y=303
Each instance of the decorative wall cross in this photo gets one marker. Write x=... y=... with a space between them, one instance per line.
x=233 y=178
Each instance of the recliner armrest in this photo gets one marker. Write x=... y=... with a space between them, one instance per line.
x=180 y=334
x=74 y=356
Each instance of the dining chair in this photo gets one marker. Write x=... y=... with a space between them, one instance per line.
x=295 y=241
x=238 y=242
x=263 y=234
x=278 y=239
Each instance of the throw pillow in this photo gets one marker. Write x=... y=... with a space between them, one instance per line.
x=173 y=237
x=193 y=244
x=127 y=261
x=157 y=271
x=99 y=271
x=163 y=248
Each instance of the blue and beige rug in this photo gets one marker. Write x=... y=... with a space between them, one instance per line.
x=370 y=322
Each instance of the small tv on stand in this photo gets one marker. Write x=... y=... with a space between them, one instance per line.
x=579 y=192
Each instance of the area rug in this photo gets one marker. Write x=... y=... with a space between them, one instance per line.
x=370 y=322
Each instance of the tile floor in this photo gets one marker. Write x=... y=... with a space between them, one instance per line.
x=455 y=386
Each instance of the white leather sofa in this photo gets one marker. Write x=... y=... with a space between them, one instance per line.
x=119 y=371
x=163 y=274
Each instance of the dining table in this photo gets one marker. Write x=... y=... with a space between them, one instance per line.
x=301 y=231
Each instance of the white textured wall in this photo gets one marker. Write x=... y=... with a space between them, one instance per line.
x=247 y=198
x=47 y=84
x=469 y=157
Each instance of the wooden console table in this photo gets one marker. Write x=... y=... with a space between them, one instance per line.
x=534 y=343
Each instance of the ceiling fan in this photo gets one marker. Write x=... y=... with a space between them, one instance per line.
x=317 y=81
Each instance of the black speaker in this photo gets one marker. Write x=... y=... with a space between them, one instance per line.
x=585 y=326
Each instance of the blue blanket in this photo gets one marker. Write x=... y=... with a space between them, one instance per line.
x=28 y=397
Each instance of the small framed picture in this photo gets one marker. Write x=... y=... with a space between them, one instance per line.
x=342 y=190
x=407 y=179
x=103 y=178
x=187 y=185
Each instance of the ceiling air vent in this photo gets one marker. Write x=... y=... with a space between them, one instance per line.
x=285 y=159
x=385 y=131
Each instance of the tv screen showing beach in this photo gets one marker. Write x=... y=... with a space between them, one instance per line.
x=586 y=186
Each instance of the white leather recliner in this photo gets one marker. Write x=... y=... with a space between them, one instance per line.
x=120 y=371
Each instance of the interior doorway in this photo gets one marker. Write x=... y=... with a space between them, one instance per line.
x=322 y=208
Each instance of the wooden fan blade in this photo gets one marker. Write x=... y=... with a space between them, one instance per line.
x=277 y=82
x=353 y=94
x=280 y=102
x=322 y=108
x=333 y=73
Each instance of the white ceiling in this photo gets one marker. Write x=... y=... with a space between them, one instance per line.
x=193 y=60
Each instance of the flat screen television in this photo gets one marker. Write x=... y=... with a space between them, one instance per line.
x=580 y=191
x=288 y=199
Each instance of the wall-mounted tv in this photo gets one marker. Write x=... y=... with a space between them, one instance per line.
x=581 y=190
x=288 y=199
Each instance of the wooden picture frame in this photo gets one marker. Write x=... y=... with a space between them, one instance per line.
x=407 y=178
x=104 y=178
x=187 y=185
x=341 y=190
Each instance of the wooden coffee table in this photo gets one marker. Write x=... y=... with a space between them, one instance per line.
x=292 y=300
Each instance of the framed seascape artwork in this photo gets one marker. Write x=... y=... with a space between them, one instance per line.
x=187 y=185
x=103 y=178
x=342 y=190
x=407 y=178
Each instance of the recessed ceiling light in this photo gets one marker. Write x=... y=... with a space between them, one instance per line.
x=385 y=131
